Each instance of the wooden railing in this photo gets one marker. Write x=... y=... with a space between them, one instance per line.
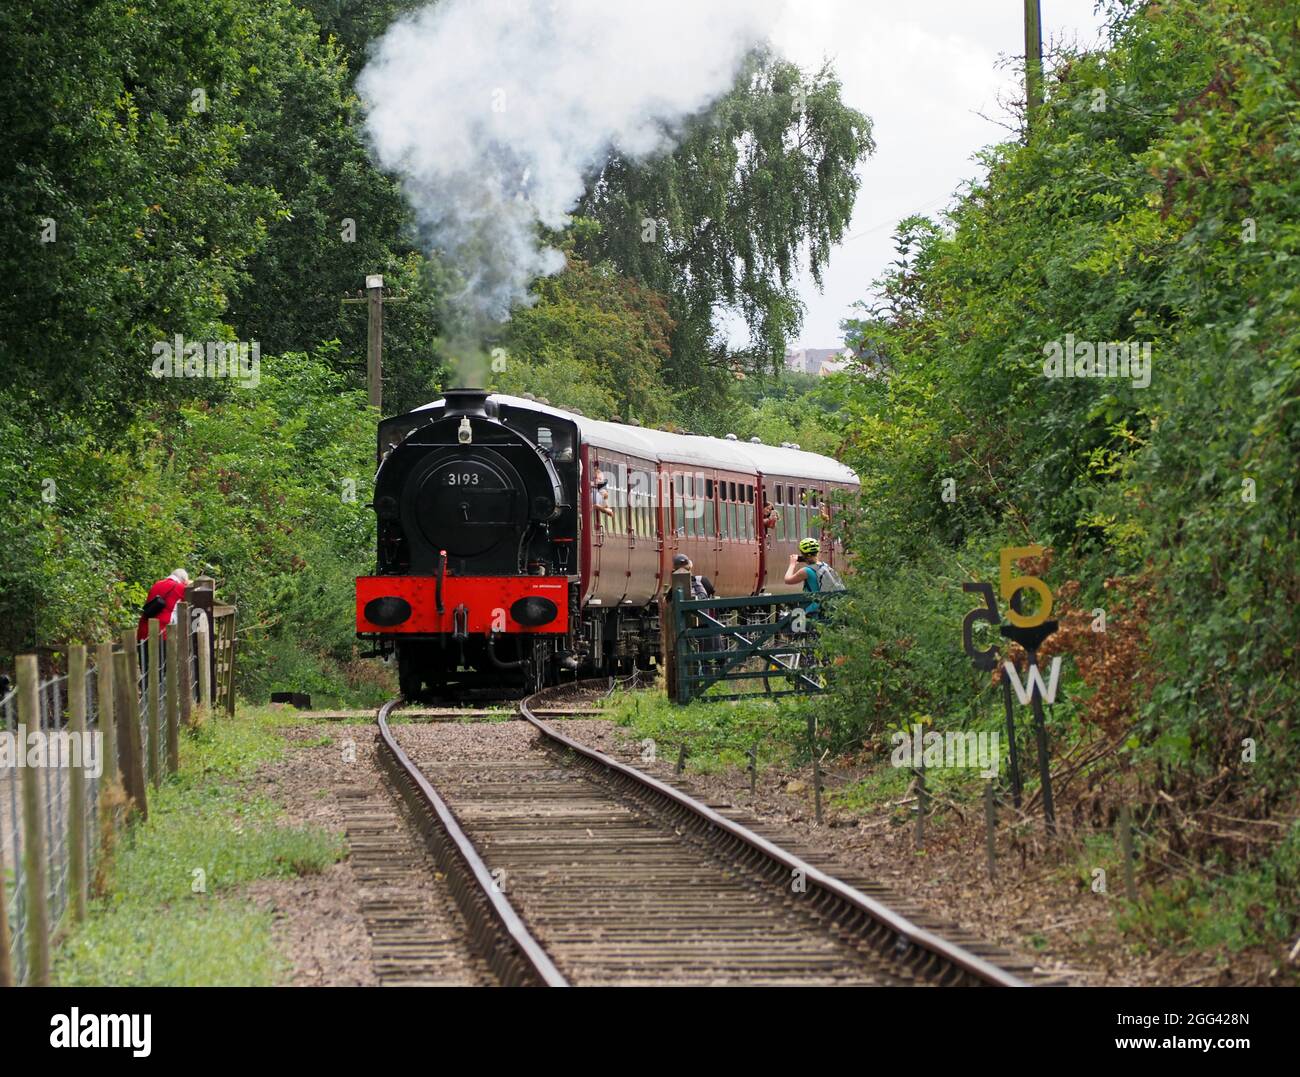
x=118 y=709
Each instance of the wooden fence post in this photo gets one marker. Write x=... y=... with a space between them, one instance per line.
x=130 y=753
x=920 y=806
x=6 y=967
x=1126 y=850
x=38 y=913
x=173 y=699
x=204 y=642
x=154 y=699
x=681 y=591
x=104 y=704
x=202 y=596
x=990 y=826
x=77 y=782
x=230 y=669
x=183 y=671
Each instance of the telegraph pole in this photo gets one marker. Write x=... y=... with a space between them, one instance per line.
x=374 y=300
x=1033 y=61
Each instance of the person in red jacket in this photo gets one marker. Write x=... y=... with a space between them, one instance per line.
x=161 y=603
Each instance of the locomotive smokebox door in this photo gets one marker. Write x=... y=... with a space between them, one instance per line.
x=467 y=501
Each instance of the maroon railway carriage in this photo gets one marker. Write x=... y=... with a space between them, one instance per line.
x=493 y=567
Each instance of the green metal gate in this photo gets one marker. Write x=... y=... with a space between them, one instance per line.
x=765 y=643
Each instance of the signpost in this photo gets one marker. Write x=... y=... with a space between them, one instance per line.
x=1028 y=630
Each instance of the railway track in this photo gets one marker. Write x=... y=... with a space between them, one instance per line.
x=570 y=867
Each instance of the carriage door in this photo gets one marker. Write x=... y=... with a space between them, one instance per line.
x=595 y=520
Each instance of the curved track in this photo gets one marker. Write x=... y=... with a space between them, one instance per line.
x=572 y=867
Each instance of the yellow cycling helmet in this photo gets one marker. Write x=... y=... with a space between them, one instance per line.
x=810 y=546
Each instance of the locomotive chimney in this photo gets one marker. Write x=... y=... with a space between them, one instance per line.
x=465 y=401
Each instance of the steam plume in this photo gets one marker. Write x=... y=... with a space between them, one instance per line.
x=493 y=112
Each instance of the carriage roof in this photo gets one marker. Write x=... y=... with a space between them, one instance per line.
x=697 y=450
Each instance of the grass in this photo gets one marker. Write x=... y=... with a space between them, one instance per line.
x=717 y=735
x=1257 y=906
x=172 y=914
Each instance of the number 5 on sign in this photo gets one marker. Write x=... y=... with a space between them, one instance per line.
x=1009 y=584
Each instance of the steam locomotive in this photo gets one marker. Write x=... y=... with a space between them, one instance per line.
x=497 y=567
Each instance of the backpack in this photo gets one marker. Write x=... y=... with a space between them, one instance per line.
x=827 y=578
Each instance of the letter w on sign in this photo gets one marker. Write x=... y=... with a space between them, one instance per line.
x=1024 y=692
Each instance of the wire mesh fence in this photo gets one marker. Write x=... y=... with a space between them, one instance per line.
x=62 y=749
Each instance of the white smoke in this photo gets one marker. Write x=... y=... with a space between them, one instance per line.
x=495 y=112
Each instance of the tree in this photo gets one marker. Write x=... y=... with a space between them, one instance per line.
x=608 y=330
x=129 y=224
x=719 y=224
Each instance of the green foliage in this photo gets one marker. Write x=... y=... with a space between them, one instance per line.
x=353 y=24
x=1124 y=218
x=1251 y=907
x=226 y=944
x=716 y=734
x=593 y=340
x=267 y=491
x=152 y=223
x=153 y=928
x=798 y=408
x=292 y=465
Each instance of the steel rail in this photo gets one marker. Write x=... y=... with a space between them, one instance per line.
x=892 y=934
x=510 y=950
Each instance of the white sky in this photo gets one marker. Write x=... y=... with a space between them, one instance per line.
x=924 y=71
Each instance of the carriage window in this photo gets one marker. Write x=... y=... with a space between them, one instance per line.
x=710 y=520
x=708 y=488
x=789 y=495
x=749 y=522
x=728 y=517
x=636 y=501
x=780 y=495
x=624 y=514
x=679 y=507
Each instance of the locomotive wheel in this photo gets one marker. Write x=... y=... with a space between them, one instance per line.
x=537 y=670
x=410 y=680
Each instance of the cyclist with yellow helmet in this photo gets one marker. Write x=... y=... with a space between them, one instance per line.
x=816 y=575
